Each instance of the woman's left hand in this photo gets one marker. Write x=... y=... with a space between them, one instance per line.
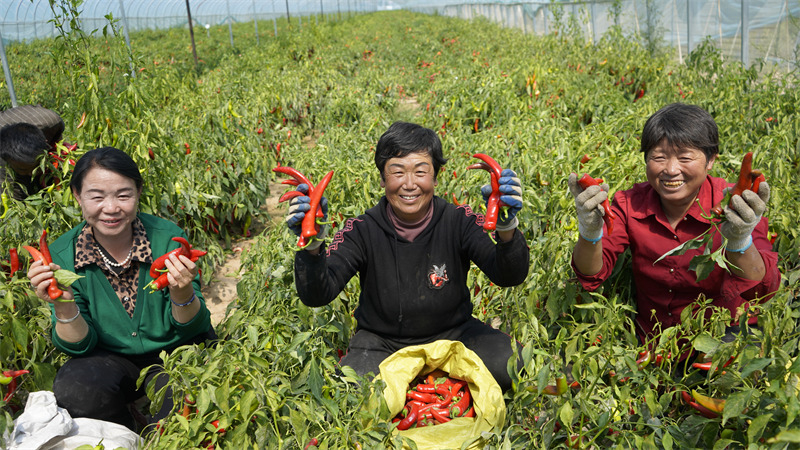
x=182 y=271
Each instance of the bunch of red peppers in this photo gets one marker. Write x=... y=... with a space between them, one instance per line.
x=43 y=255
x=435 y=399
x=159 y=271
x=309 y=226
x=493 y=204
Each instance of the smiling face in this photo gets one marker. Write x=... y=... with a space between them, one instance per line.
x=409 y=183
x=677 y=174
x=109 y=202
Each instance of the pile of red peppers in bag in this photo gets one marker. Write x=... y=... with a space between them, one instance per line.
x=434 y=399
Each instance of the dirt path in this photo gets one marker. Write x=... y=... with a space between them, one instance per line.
x=221 y=290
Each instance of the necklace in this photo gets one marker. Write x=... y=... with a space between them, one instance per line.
x=114 y=264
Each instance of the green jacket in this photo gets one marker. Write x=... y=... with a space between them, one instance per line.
x=152 y=326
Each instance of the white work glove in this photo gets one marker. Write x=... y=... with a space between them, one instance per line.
x=741 y=217
x=589 y=206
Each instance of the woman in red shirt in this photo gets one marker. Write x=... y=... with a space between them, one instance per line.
x=680 y=144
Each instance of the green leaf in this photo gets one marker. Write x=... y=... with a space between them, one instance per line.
x=736 y=403
x=315 y=380
x=566 y=414
x=787 y=436
x=723 y=444
x=703 y=265
x=691 y=244
x=705 y=343
x=757 y=426
x=66 y=277
x=754 y=365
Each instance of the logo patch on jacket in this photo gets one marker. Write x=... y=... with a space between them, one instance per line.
x=437 y=277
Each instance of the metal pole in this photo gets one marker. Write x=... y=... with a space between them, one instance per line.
x=321 y=10
x=7 y=72
x=127 y=37
x=191 y=33
x=288 y=19
x=255 y=20
x=230 y=21
x=689 y=36
x=746 y=32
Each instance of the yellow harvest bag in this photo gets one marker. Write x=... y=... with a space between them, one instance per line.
x=402 y=367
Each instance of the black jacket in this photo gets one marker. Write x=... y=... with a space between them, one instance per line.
x=410 y=289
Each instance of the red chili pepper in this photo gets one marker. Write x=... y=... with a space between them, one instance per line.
x=559 y=388
x=309 y=225
x=215 y=424
x=493 y=204
x=440 y=414
x=410 y=419
x=82 y=121
x=151 y=154
x=707 y=365
x=644 y=360
x=744 y=181
x=52 y=290
x=426 y=388
x=705 y=412
x=14 y=260
x=12 y=387
x=749 y=179
x=585 y=181
x=461 y=406
x=585 y=159
x=313 y=442
x=421 y=396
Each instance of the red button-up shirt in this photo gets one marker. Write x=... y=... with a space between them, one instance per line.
x=669 y=286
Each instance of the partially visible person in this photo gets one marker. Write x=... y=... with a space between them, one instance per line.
x=412 y=252
x=26 y=133
x=680 y=144
x=47 y=120
x=21 y=145
x=115 y=327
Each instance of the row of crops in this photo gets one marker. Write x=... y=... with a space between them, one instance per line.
x=317 y=99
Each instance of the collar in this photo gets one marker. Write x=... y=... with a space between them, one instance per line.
x=646 y=202
x=141 y=253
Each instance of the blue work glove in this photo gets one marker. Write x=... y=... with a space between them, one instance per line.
x=741 y=217
x=511 y=195
x=298 y=207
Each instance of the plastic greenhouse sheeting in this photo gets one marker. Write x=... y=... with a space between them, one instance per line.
x=676 y=20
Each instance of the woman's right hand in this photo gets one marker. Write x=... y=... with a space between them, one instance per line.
x=40 y=276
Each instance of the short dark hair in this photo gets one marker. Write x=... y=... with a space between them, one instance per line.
x=403 y=138
x=108 y=158
x=683 y=126
x=22 y=142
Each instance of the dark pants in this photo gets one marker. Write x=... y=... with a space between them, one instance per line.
x=102 y=384
x=367 y=350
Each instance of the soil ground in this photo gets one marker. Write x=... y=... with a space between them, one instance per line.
x=221 y=290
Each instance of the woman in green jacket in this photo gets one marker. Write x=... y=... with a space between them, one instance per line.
x=115 y=327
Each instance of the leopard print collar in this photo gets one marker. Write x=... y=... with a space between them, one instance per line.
x=86 y=253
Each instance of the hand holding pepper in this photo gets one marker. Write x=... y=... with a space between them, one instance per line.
x=510 y=195
x=589 y=206
x=42 y=278
x=742 y=214
x=298 y=207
